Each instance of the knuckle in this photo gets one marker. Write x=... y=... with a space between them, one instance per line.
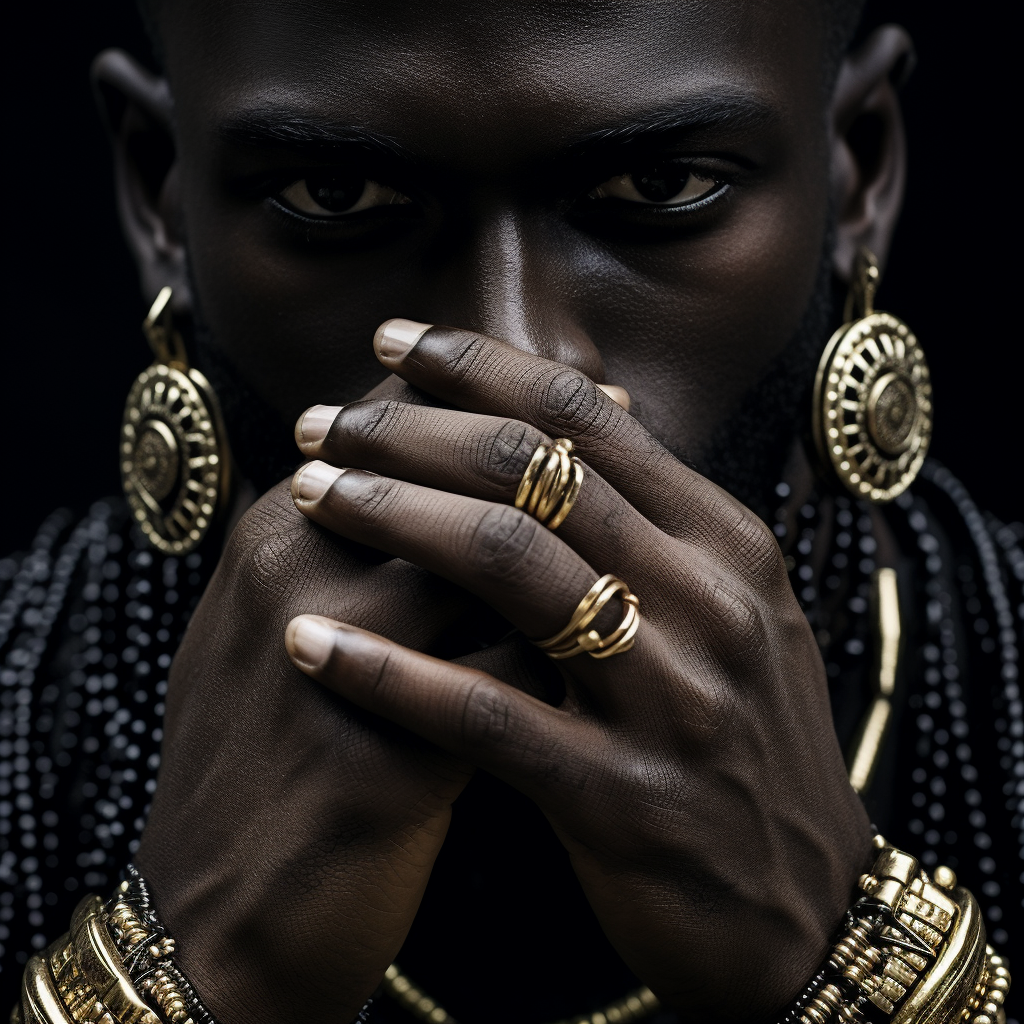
x=380 y=675
x=271 y=539
x=755 y=542
x=507 y=453
x=373 y=500
x=736 y=616
x=568 y=399
x=466 y=355
x=485 y=714
x=710 y=707
x=502 y=543
x=266 y=563
x=377 y=422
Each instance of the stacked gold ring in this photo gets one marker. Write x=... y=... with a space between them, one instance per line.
x=577 y=637
x=551 y=483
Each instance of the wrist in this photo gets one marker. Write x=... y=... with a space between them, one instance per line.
x=782 y=931
x=119 y=963
x=264 y=953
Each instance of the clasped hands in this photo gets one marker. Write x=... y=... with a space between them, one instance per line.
x=695 y=780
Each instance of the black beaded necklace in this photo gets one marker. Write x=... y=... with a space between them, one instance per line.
x=943 y=778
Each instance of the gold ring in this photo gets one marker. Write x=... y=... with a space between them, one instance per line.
x=577 y=637
x=551 y=483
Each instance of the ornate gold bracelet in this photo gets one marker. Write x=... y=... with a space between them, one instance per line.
x=912 y=951
x=115 y=966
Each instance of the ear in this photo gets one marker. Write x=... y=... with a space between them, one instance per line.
x=137 y=110
x=869 y=147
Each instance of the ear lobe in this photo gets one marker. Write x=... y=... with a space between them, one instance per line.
x=136 y=108
x=869 y=148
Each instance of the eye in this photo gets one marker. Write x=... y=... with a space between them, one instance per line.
x=333 y=194
x=665 y=184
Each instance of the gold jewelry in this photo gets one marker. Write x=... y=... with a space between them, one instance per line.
x=866 y=749
x=634 y=1006
x=912 y=951
x=115 y=966
x=872 y=407
x=174 y=452
x=577 y=638
x=913 y=948
x=551 y=483
x=81 y=977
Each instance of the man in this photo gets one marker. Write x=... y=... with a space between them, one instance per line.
x=654 y=198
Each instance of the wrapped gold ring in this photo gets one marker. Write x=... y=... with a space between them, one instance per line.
x=577 y=637
x=551 y=483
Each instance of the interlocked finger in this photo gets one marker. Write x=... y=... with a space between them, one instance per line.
x=498 y=552
x=481 y=374
x=543 y=751
x=486 y=457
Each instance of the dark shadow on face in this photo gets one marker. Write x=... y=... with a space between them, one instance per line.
x=638 y=190
x=745 y=455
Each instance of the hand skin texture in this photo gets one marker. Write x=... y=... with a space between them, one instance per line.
x=290 y=837
x=694 y=781
x=663 y=763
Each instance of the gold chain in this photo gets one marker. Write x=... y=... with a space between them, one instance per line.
x=633 y=1007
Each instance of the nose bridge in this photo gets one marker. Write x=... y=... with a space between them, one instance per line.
x=509 y=278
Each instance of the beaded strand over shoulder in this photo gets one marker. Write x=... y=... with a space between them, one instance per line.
x=90 y=620
x=939 y=755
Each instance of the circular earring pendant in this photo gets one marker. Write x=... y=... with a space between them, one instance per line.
x=872 y=412
x=172 y=466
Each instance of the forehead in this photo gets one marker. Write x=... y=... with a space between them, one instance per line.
x=531 y=72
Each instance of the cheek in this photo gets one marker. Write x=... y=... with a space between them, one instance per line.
x=688 y=328
x=296 y=321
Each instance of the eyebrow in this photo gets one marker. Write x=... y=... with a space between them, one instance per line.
x=297 y=130
x=281 y=126
x=687 y=114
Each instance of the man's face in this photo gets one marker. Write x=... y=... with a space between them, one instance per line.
x=636 y=189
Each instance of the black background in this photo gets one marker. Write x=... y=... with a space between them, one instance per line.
x=73 y=345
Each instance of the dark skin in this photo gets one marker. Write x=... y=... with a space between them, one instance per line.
x=297 y=819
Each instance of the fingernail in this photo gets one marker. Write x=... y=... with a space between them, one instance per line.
x=396 y=338
x=315 y=422
x=620 y=396
x=310 y=640
x=313 y=480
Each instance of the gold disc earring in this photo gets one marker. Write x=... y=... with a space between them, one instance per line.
x=174 y=454
x=872 y=406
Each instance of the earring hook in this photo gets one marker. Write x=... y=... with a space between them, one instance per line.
x=166 y=343
x=860 y=300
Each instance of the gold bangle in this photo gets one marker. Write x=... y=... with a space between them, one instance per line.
x=81 y=978
x=115 y=965
x=914 y=948
x=577 y=637
x=551 y=483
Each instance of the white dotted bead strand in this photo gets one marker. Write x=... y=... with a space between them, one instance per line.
x=156 y=611
x=26 y=577
x=933 y=719
x=35 y=601
x=120 y=733
x=849 y=558
x=943 y=655
x=1008 y=722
